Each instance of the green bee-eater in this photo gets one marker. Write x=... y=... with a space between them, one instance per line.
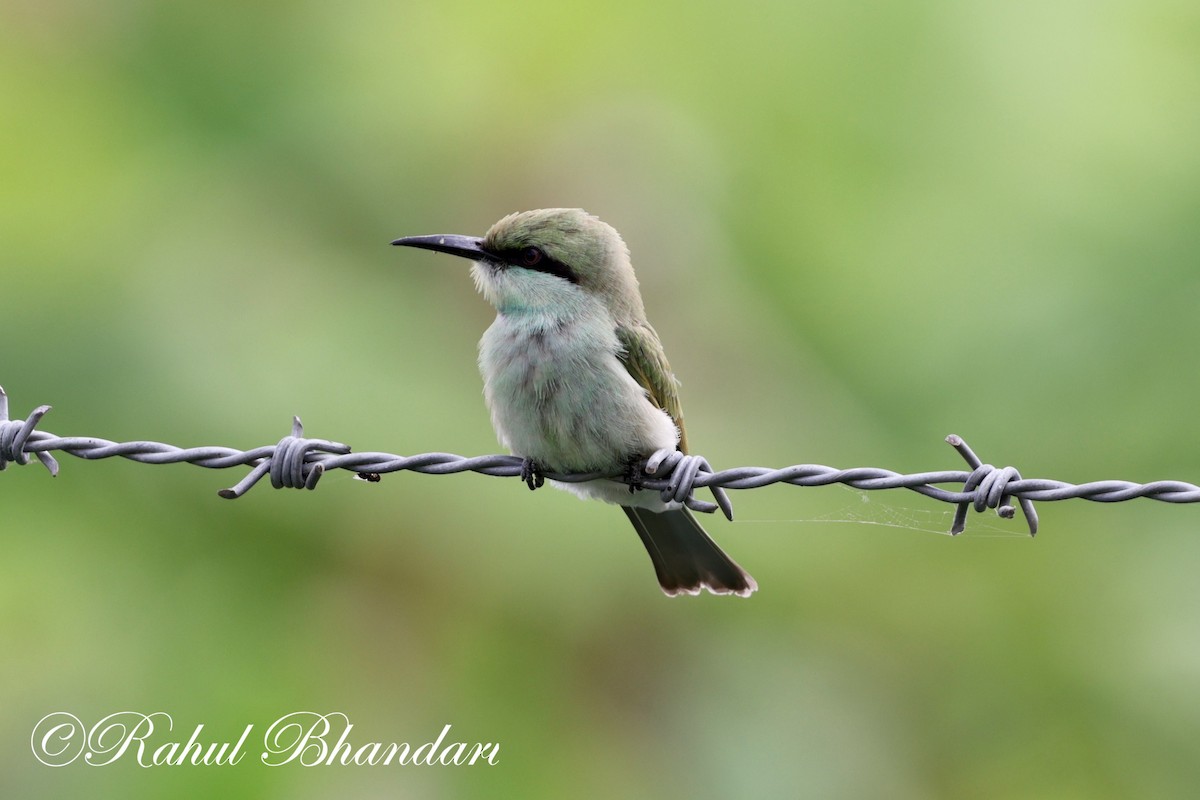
x=577 y=380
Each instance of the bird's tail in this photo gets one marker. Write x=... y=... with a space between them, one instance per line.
x=684 y=556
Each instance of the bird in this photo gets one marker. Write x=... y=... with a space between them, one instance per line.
x=576 y=379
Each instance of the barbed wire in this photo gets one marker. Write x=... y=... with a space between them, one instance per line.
x=299 y=462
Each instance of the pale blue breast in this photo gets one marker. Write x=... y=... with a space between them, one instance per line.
x=559 y=394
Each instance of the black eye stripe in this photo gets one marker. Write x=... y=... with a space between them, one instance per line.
x=523 y=258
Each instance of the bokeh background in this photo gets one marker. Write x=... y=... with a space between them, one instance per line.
x=859 y=227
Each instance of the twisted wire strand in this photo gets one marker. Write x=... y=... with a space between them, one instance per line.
x=299 y=462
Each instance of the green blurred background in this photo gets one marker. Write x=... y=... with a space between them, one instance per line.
x=859 y=227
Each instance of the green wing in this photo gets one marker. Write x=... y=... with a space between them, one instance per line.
x=643 y=356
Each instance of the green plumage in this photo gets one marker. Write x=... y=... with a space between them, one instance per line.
x=643 y=356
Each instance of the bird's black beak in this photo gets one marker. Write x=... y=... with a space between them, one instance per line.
x=464 y=246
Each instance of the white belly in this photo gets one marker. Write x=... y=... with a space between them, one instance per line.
x=559 y=394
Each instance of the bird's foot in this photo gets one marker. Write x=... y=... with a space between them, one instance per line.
x=369 y=477
x=531 y=473
x=634 y=474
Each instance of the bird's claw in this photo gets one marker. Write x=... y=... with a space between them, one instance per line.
x=634 y=474
x=531 y=474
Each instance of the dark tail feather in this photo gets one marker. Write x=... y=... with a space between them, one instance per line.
x=684 y=557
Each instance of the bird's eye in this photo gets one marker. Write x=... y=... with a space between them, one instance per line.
x=531 y=256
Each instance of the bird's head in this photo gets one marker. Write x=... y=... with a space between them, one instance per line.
x=548 y=258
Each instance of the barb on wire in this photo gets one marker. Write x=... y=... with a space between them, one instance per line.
x=297 y=462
